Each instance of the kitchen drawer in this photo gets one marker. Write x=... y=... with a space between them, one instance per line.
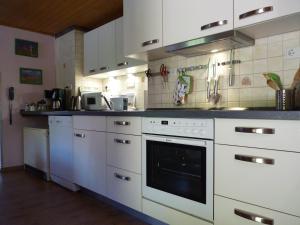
x=273 y=184
x=226 y=211
x=278 y=134
x=124 y=125
x=93 y=123
x=60 y=121
x=169 y=215
x=124 y=151
x=124 y=187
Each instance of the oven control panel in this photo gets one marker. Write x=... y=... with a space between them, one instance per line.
x=197 y=128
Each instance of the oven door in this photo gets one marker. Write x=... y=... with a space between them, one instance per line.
x=178 y=172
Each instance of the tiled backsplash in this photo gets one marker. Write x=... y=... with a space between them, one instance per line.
x=136 y=84
x=249 y=89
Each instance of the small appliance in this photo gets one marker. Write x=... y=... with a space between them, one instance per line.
x=92 y=101
x=119 y=103
x=58 y=99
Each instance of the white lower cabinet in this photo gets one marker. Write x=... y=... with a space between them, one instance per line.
x=265 y=178
x=124 y=187
x=90 y=160
x=124 y=151
x=230 y=212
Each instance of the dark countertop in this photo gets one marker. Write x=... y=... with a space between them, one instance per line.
x=254 y=113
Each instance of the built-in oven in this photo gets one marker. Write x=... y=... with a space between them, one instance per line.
x=177 y=164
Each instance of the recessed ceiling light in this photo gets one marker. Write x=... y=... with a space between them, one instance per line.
x=214 y=50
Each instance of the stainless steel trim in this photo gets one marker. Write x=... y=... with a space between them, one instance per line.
x=255 y=159
x=122 y=64
x=92 y=71
x=151 y=42
x=121 y=177
x=253 y=217
x=122 y=123
x=104 y=68
x=214 y=24
x=255 y=130
x=79 y=135
x=256 y=12
x=120 y=141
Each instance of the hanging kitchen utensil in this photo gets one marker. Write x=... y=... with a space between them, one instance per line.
x=231 y=69
x=11 y=96
x=164 y=74
x=148 y=73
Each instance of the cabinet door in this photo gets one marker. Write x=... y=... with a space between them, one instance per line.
x=90 y=160
x=106 y=47
x=142 y=25
x=255 y=11
x=91 y=52
x=187 y=20
x=122 y=61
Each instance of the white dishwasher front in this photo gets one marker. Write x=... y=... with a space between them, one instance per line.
x=61 y=151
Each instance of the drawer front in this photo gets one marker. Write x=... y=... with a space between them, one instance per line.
x=124 y=125
x=60 y=121
x=124 y=187
x=93 y=123
x=230 y=212
x=124 y=151
x=265 y=178
x=272 y=134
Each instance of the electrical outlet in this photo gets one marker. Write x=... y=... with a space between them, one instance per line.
x=292 y=53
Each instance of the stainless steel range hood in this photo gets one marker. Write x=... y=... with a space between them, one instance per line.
x=209 y=44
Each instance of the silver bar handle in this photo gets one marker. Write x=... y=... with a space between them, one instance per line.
x=256 y=12
x=253 y=217
x=121 y=177
x=120 y=141
x=122 y=64
x=151 y=42
x=255 y=159
x=122 y=123
x=79 y=135
x=104 y=68
x=255 y=130
x=214 y=24
x=92 y=71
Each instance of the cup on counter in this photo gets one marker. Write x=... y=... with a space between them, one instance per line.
x=285 y=99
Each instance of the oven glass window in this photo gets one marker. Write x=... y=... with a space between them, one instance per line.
x=177 y=169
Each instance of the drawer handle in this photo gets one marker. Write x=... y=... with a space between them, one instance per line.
x=121 y=177
x=253 y=217
x=151 y=42
x=120 y=141
x=122 y=123
x=255 y=159
x=256 y=12
x=92 y=71
x=122 y=64
x=104 y=68
x=214 y=24
x=255 y=130
x=79 y=135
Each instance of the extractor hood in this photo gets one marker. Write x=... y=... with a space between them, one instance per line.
x=214 y=43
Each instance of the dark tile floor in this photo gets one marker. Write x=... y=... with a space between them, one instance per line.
x=27 y=200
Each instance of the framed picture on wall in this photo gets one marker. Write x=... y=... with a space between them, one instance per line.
x=31 y=76
x=26 y=48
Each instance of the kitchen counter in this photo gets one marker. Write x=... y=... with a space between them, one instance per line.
x=254 y=113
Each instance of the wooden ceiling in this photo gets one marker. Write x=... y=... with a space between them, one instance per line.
x=54 y=16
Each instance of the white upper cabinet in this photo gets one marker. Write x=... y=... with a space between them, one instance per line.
x=255 y=11
x=142 y=25
x=106 y=45
x=120 y=59
x=91 y=52
x=190 y=19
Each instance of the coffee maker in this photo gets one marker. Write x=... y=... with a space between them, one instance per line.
x=58 y=99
